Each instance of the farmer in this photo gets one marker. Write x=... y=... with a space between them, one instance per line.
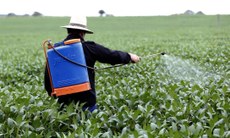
x=76 y=29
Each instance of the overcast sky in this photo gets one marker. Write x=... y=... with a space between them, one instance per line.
x=115 y=7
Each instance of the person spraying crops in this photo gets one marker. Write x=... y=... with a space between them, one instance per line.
x=76 y=29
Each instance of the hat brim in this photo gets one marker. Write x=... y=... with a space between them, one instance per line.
x=78 y=28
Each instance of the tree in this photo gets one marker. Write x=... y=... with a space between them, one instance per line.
x=11 y=14
x=189 y=12
x=101 y=12
x=199 y=13
x=36 y=14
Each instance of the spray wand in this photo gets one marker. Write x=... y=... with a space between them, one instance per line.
x=118 y=65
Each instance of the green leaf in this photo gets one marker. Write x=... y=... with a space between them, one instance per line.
x=153 y=126
x=192 y=129
x=141 y=108
x=11 y=122
x=216 y=132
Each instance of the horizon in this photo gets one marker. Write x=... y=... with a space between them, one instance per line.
x=114 y=7
x=183 y=13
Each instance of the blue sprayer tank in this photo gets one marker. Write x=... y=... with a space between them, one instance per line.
x=67 y=76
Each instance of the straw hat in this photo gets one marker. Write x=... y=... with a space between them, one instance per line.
x=79 y=23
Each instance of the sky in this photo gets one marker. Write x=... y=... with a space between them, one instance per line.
x=114 y=7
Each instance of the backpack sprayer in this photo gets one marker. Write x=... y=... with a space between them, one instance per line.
x=65 y=76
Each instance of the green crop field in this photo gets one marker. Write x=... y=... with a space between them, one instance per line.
x=185 y=93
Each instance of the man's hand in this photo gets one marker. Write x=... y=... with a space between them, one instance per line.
x=134 y=58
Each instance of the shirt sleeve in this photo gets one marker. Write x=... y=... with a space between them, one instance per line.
x=106 y=55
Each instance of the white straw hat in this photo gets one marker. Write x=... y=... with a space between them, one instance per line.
x=79 y=23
